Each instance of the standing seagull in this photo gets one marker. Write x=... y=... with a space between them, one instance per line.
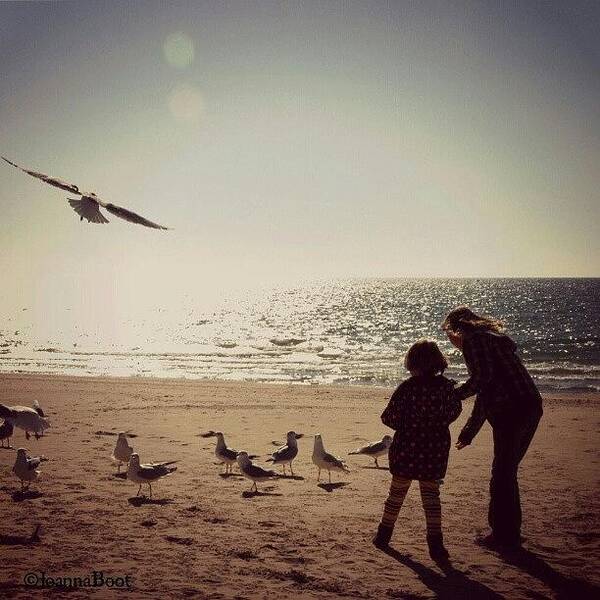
x=88 y=206
x=287 y=453
x=323 y=460
x=375 y=449
x=26 y=418
x=25 y=467
x=122 y=452
x=253 y=472
x=6 y=431
x=147 y=473
x=225 y=455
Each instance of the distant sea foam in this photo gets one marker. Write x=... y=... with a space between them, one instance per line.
x=340 y=332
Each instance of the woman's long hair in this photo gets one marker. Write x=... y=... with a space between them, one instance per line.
x=463 y=319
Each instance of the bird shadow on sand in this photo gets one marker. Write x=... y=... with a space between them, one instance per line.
x=141 y=500
x=292 y=477
x=21 y=540
x=252 y=494
x=228 y=475
x=120 y=475
x=7 y=447
x=20 y=496
x=451 y=585
x=565 y=588
x=329 y=487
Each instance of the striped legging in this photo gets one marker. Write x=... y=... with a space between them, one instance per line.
x=430 y=497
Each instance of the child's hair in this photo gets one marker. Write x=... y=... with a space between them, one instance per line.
x=463 y=319
x=426 y=358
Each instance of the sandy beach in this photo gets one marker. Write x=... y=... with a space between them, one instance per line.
x=204 y=536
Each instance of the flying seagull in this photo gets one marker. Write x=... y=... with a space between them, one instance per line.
x=88 y=206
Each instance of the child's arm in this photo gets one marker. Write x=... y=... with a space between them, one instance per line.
x=452 y=407
x=392 y=416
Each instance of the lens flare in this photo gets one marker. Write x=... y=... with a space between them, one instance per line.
x=179 y=50
x=186 y=104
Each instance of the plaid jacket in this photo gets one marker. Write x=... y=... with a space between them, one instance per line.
x=500 y=380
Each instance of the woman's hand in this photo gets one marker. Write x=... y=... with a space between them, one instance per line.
x=460 y=445
x=455 y=338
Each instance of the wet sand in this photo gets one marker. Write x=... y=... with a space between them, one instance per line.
x=204 y=536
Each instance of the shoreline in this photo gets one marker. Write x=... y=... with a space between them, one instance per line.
x=570 y=395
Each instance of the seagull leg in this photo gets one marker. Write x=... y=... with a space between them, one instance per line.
x=37 y=435
x=329 y=476
x=319 y=475
x=283 y=465
x=139 y=490
x=376 y=463
x=119 y=467
x=291 y=470
x=150 y=486
x=27 y=436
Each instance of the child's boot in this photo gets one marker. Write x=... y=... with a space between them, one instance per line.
x=383 y=537
x=437 y=550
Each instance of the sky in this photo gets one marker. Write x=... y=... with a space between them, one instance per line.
x=295 y=140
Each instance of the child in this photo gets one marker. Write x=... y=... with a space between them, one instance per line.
x=420 y=411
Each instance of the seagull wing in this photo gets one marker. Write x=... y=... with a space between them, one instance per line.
x=54 y=181
x=150 y=473
x=256 y=471
x=375 y=447
x=333 y=460
x=130 y=216
x=161 y=464
x=229 y=453
x=88 y=209
x=285 y=453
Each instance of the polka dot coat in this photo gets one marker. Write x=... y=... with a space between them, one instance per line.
x=420 y=411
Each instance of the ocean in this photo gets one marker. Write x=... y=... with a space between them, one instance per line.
x=352 y=331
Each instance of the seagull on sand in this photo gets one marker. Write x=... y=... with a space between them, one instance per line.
x=26 y=418
x=323 y=460
x=6 y=431
x=375 y=449
x=287 y=453
x=122 y=452
x=25 y=467
x=148 y=473
x=253 y=472
x=88 y=205
x=225 y=455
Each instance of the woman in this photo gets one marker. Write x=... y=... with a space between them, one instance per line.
x=508 y=398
